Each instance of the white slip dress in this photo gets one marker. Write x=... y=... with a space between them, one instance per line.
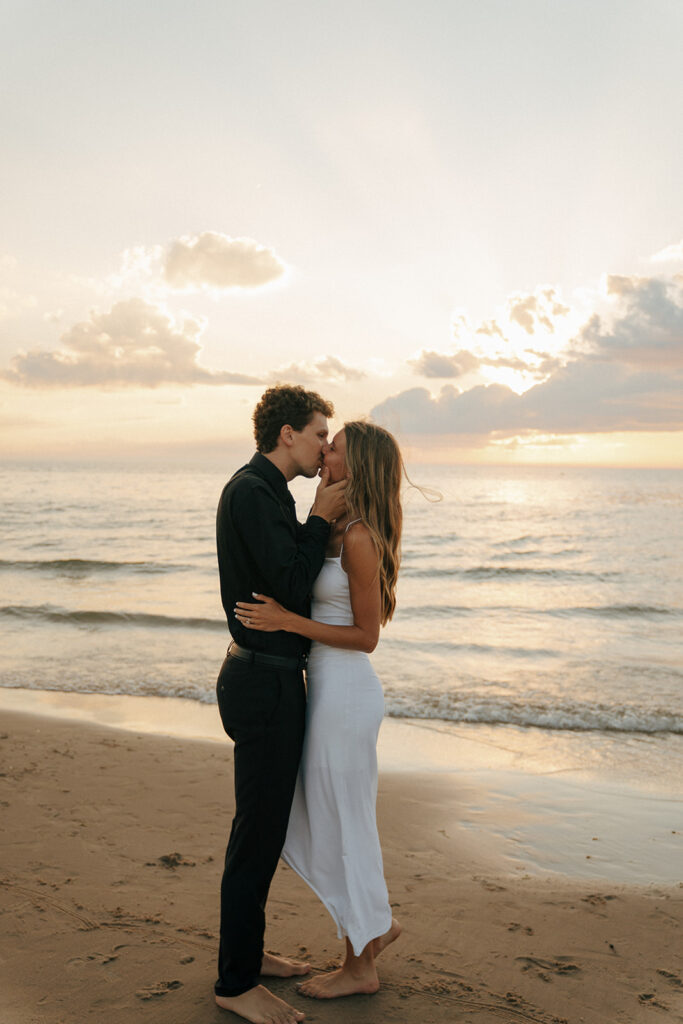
x=332 y=839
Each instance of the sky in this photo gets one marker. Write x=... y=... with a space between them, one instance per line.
x=461 y=218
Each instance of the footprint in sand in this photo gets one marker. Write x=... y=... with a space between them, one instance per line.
x=648 y=999
x=543 y=969
x=98 y=958
x=514 y=926
x=673 y=979
x=521 y=1004
x=172 y=861
x=491 y=886
x=162 y=988
x=437 y=987
x=597 y=899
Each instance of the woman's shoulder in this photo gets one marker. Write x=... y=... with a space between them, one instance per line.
x=358 y=545
x=355 y=531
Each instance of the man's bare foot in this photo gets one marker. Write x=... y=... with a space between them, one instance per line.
x=282 y=967
x=384 y=940
x=342 y=982
x=260 y=1006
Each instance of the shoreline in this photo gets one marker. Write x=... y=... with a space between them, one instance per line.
x=433 y=747
x=112 y=857
x=541 y=807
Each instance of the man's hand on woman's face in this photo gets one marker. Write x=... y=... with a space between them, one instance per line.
x=330 y=501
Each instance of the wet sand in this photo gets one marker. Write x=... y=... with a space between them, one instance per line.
x=532 y=895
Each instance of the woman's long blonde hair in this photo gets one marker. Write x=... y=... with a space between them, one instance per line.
x=373 y=495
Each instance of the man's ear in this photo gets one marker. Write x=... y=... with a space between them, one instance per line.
x=287 y=435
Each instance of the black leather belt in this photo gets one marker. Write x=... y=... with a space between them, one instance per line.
x=259 y=658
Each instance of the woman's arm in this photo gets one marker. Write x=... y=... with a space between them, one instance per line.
x=362 y=569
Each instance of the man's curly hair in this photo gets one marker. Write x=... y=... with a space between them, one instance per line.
x=282 y=404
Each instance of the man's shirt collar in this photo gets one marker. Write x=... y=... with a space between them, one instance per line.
x=269 y=471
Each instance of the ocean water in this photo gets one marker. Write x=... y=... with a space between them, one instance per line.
x=535 y=597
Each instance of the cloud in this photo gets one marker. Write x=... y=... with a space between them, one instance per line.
x=529 y=311
x=647 y=329
x=214 y=260
x=600 y=396
x=620 y=373
x=672 y=254
x=135 y=344
x=547 y=364
x=479 y=410
x=502 y=343
x=580 y=398
x=491 y=329
x=329 y=368
x=437 y=364
x=444 y=366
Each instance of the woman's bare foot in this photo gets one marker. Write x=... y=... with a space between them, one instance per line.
x=260 y=1006
x=342 y=982
x=282 y=967
x=384 y=940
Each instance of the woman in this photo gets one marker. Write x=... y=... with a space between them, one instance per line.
x=332 y=839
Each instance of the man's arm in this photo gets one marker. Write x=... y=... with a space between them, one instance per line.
x=288 y=558
x=362 y=568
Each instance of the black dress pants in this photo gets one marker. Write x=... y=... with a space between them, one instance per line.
x=263 y=711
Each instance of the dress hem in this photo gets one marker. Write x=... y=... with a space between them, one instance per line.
x=342 y=933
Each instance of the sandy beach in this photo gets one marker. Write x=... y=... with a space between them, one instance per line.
x=113 y=840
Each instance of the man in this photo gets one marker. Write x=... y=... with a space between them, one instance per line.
x=261 y=693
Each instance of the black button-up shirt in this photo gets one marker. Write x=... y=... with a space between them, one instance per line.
x=263 y=549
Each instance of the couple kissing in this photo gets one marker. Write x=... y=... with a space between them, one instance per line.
x=297 y=692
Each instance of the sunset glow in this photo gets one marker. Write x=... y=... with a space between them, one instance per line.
x=331 y=198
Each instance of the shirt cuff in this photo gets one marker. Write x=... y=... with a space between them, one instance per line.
x=319 y=525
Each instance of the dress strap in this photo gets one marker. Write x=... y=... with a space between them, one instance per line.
x=345 y=532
